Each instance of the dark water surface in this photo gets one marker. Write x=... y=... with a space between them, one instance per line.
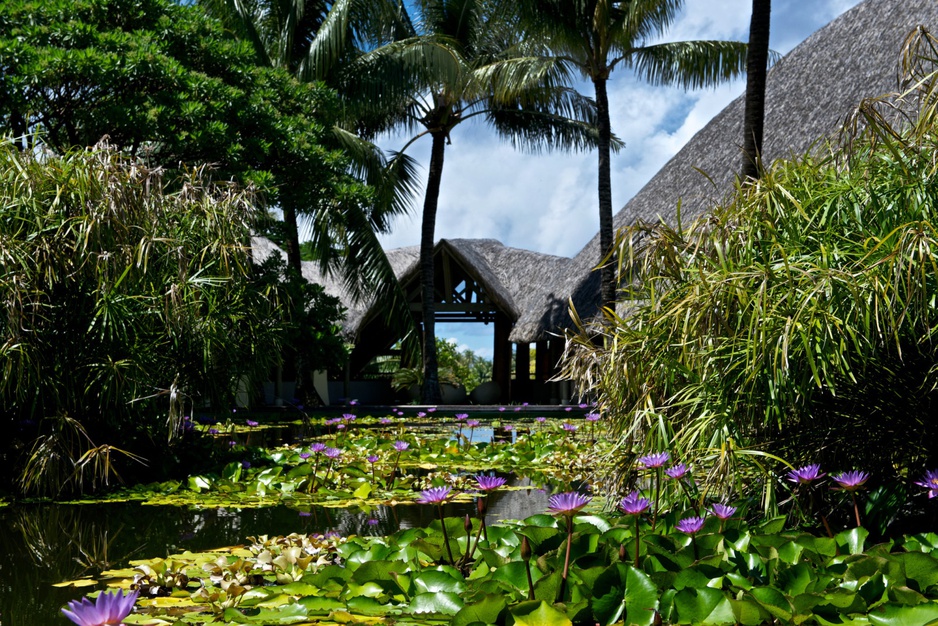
x=41 y=545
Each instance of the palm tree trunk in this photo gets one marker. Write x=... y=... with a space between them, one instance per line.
x=291 y=237
x=606 y=235
x=756 y=69
x=430 y=392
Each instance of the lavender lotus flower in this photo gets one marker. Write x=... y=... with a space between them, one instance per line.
x=634 y=504
x=540 y=419
x=318 y=447
x=722 y=511
x=509 y=427
x=851 y=481
x=592 y=417
x=333 y=453
x=806 y=475
x=657 y=459
x=373 y=522
x=567 y=503
x=569 y=427
x=108 y=608
x=472 y=423
x=421 y=414
x=584 y=405
x=213 y=431
x=488 y=483
x=461 y=416
x=305 y=455
x=690 y=525
x=372 y=458
x=341 y=426
x=930 y=482
x=501 y=408
x=251 y=423
x=400 y=446
x=434 y=495
x=432 y=409
x=385 y=420
x=676 y=472
x=348 y=417
x=245 y=464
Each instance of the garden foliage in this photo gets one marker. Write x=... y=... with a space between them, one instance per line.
x=798 y=317
x=125 y=299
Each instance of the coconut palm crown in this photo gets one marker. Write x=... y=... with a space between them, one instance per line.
x=595 y=37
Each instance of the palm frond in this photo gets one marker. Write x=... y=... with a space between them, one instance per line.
x=689 y=64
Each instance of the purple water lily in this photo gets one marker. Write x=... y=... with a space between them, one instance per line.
x=400 y=446
x=251 y=423
x=540 y=419
x=658 y=459
x=385 y=420
x=305 y=455
x=488 y=483
x=461 y=416
x=421 y=414
x=333 y=453
x=676 y=472
x=851 y=481
x=806 y=475
x=434 y=495
x=634 y=504
x=567 y=503
x=318 y=447
x=472 y=423
x=690 y=525
x=592 y=417
x=569 y=427
x=930 y=482
x=108 y=608
x=722 y=511
x=372 y=458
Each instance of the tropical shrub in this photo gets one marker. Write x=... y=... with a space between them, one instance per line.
x=798 y=318
x=125 y=298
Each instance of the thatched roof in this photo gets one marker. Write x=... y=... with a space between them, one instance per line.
x=809 y=94
x=511 y=278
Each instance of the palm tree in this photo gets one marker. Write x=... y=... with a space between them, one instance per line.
x=756 y=70
x=598 y=36
x=453 y=61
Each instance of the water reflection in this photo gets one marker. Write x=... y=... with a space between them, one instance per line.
x=45 y=544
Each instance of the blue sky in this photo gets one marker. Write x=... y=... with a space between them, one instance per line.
x=547 y=202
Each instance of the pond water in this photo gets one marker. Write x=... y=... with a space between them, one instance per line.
x=41 y=545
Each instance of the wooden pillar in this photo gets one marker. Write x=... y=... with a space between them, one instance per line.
x=501 y=354
x=542 y=368
x=554 y=351
x=522 y=386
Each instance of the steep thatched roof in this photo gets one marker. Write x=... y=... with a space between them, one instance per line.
x=511 y=278
x=809 y=95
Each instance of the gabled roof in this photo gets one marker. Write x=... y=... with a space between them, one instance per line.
x=809 y=94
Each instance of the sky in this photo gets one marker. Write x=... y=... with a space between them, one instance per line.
x=548 y=202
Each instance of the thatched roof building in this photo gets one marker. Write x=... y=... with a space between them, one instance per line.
x=810 y=94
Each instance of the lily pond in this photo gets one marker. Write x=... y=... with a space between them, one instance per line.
x=451 y=520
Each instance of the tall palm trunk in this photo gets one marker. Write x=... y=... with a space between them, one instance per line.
x=756 y=69
x=606 y=235
x=430 y=392
x=292 y=237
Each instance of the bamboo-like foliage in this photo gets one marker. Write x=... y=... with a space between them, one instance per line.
x=799 y=318
x=121 y=300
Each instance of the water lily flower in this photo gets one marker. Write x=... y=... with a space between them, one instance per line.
x=305 y=514
x=461 y=416
x=509 y=427
x=806 y=475
x=568 y=408
x=213 y=431
x=472 y=423
x=517 y=408
x=540 y=419
x=676 y=472
x=318 y=447
x=333 y=453
x=592 y=417
x=584 y=405
x=353 y=403
x=245 y=464
x=657 y=459
x=567 y=503
x=434 y=495
x=305 y=455
x=488 y=483
x=569 y=427
x=722 y=511
x=348 y=417
x=634 y=504
x=851 y=481
x=108 y=608
x=251 y=423
x=930 y=482
x=373 y=458
x=373 y=522
x=690 y=525
x=385 y=420
x=432 y=409
x=501 y=408
x=341 y=426
x=421 y=414
x=400 y=446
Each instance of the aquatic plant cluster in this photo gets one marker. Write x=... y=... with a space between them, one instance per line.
x=660 y=557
